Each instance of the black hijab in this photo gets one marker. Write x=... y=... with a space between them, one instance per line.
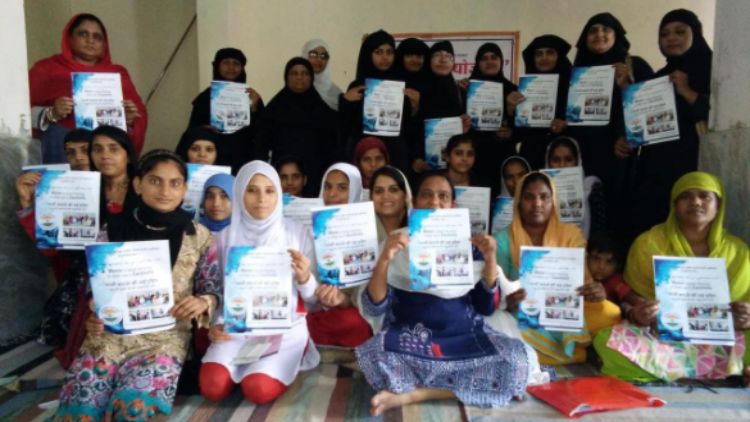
x=413 y=46
x=229 y=53
x=145 y=223
x=562 y=66
x=696 y=62
x=365 y=68
x=198 y=133
x=442 y=97
x=477 y=74
x=616 y=54
x=121 y=137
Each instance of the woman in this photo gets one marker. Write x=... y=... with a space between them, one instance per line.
x=135 y=377
x=258 y=221
x=658 y=166
x=563 y=152
x=536 y=222
x=237 y=148
x=694 y=228
x=85 y=48
x=391 y=196
x=338 y=321
x=316 y=51
x=603 y=42
x=411 y=54
x=201 y=145
x=297 y=121
x=370 y=154
x=216 y=204
x=547 y=54
x=375 y=61
x=495 y=146
x=448 y=352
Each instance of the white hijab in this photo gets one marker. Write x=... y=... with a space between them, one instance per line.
x=355 y=181
x=322 y=81
x=244 y=230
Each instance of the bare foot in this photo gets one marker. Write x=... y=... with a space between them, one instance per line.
x=518 y=397
x=385 y=400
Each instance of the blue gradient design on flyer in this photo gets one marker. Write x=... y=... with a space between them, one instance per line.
x=528 y=260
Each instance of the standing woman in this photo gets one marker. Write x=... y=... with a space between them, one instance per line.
x=603 y=42
x=547 y=54
x=659 y=166
x=298 y=122
x=316 y=51
x=229 y=65
x=135 y=377
x=85 y=48
x=434 y=344
x=411 y=55
x=376 y=61
x=493 y=147
x=201 y=145
x=257 y=220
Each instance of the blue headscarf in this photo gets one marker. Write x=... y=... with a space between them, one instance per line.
x=224 y=182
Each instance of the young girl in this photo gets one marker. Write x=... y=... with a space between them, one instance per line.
x=217 y=202
x=338 y=322
x=257 y=221
x=564 y=152
x=460 y=157
x=456 y=355
x=135 y=377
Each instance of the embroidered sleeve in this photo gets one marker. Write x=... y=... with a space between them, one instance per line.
x=376 y=309
x=208 y=281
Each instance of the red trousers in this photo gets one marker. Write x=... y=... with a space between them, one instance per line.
x=338 y=327
x=216 y=384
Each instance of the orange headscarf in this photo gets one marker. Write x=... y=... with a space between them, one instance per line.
x=557 y=234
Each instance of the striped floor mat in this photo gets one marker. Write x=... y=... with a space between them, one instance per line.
x=336 y=393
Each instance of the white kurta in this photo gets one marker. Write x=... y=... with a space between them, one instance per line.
x=296 y=352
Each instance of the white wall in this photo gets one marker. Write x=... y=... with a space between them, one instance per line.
x=271 y=32
x=14 y=89
x=142 y=36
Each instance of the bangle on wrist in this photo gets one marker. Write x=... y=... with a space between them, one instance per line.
x=50 y=115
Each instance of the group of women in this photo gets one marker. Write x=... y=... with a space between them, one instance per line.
x=411 y=346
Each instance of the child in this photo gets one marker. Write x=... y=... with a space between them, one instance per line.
x=605 y=263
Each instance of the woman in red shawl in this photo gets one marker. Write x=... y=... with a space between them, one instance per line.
x=85 y=48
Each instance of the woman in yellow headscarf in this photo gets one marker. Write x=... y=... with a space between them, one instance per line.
x=694 y=228
x=536 y=222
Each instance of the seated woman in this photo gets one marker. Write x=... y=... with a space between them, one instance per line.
x=200 y=145
x=695 y=227
x=370 y=154
x=292 y=173
x=536 y=222
x=118 y=377
x=391 y=196
x=258 y=221
x=338 y=322
x=563 y=152
x=450 y=353
x=216 y=204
